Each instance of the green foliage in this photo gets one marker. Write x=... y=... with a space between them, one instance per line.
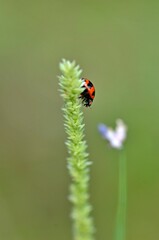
x=120 y=231
x=78 y=164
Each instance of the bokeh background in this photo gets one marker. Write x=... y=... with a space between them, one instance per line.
x=116 y=43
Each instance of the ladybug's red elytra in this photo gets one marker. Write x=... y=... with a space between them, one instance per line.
x=88 y=94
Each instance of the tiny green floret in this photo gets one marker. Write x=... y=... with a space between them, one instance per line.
x=77 y=162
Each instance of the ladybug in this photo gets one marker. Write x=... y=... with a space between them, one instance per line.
x=88 y=94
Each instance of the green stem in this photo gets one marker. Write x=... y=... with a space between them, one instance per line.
x=120 y=233
x=78 y=164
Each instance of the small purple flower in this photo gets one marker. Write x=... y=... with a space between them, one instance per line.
x=114 y=137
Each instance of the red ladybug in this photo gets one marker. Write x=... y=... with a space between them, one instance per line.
x=88 y=94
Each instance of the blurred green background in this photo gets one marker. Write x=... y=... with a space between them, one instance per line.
x=117 y=45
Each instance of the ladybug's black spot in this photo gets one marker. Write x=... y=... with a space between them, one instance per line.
x=93 y=93
x=90 y=84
